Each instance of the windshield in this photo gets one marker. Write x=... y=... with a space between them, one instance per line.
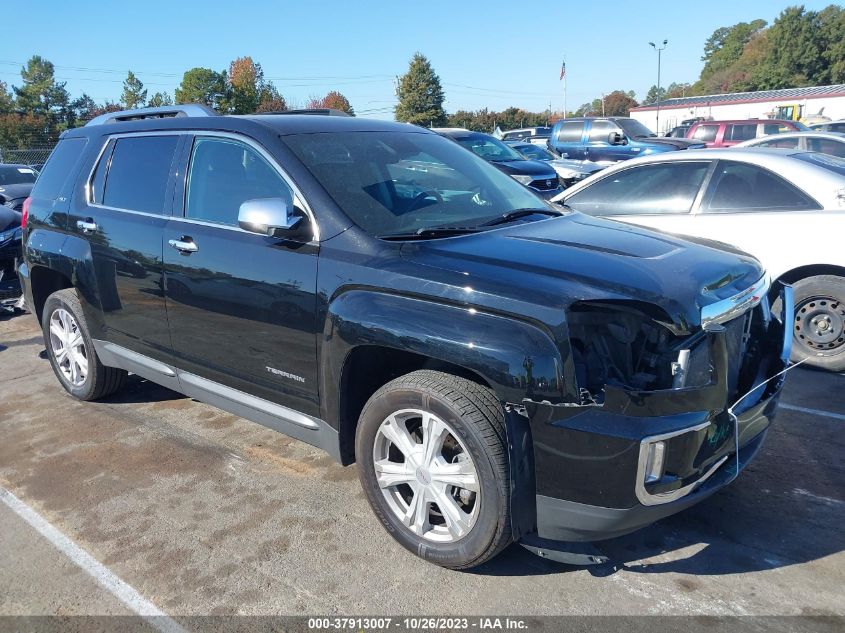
x=634 y=128
x=831 y=163
x=534 y=152
x=402 y=182
x=489 y=148
x=14 y=175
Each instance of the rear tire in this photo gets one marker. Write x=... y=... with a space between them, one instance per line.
x=71 y=350
x=819 y=326
x=430 y=439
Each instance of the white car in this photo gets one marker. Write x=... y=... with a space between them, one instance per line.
x=832 y=143
x=785 y=207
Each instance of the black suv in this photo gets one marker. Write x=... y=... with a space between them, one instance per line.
x=500 y=368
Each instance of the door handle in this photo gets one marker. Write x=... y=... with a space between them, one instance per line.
x=184 y=245
x=87 y=225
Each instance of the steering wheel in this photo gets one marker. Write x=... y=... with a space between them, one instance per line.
x=429 y=193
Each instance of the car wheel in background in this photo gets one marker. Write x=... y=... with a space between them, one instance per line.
x=819 y=326
x=432 y=459
x=71 y=350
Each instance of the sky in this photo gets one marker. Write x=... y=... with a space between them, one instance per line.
x=486 y=53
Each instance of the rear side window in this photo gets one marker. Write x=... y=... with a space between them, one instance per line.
x=138 y=173
x=600 y=131
x=570 y=131
x=665 y=188
x=741 y=188
x=60 y=166
x=789 y=143
x=836 y=127
x=742 y=132
x=706 y=133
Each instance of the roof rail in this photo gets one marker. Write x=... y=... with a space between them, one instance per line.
x=185 y=109
x=318 y=111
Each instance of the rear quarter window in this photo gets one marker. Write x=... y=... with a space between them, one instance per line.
x=60 y=166
x=570 y=132
x=138 y=173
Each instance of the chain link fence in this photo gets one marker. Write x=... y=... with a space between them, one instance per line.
x=33 y=156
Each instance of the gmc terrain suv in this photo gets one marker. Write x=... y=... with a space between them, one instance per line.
x=500 y=368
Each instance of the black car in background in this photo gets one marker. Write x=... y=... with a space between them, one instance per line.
x=10 y=253
x=15 y=184
x=537 y=175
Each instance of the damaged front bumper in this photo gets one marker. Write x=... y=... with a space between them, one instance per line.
x=603 y=470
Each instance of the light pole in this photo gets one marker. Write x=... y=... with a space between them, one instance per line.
x=659 y=50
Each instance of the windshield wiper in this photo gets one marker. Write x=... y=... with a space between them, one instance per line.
x=430 y=233
x=520 y=213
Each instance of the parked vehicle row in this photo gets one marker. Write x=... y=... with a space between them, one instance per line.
x=831 y=143
x=500 y=368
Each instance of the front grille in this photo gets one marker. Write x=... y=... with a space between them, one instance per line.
x=545 y=184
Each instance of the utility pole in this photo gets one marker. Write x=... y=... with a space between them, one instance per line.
x=659 y=51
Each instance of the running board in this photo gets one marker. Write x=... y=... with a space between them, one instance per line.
x=569 y=553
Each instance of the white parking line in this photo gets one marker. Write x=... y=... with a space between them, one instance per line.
x=118 y=588
x=819 y=412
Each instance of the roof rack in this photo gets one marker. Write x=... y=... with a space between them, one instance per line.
x=317 y=111
x=185 y=109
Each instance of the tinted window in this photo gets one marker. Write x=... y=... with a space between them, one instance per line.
x=827 y=146
x=737 y=187
x=224 y=174
x=600 y=130
x=776 y=128
x=490 y=148
x=138 y=173
x=400 y=182
x=515 y=135
x=534 y=151
x=831 y=163
x=58 y=168
x=643 y=190
x=706 y=133
x=570 y=131
x=790 y=143
x=836 y=127
x=742 y=132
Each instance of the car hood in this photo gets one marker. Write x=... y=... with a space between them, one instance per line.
x=577 y=166
x=677 y=143
x=13 y=192
x=537 y=168
x=9 y=218
x=578 y=257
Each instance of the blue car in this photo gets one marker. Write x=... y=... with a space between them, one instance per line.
x=611 y=139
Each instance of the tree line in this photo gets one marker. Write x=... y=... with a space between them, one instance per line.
x=37 y=111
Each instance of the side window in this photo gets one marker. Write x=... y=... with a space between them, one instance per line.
x=789 y=143
x=600 y=130
x=663 y=188
x=138 y=173
x=570 y=131
x=827 y=146
x=737 y=188
x=225 y=173
x=59 y=168
x=706 y=133
x=742 y=132
x=98 y=182
x=836 y=127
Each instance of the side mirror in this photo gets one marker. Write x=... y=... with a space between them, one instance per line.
x=615 y=138
x=268 y=216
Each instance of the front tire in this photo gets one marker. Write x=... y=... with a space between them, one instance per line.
x=432 y=459
x=819 y=326
x=71 y=350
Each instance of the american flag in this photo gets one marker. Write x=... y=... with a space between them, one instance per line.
x=562 y=69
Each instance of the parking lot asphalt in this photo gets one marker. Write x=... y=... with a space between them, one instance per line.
x=201 y=512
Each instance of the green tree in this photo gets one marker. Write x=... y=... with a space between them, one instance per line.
x=246 y=79
x=134 y=94
x=270 y=99
x=40 y=94
x=725 y=46
x=203 y=85
x=795 y=49
x=7 y=100
x=832 y=32
x=159 y=99
x=420 y=94
x=619 y=103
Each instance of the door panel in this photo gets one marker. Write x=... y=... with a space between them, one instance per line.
x=123 y=221
x=242 y=305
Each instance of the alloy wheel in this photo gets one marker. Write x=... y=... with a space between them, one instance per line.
x=426 y=475
x=68 y=347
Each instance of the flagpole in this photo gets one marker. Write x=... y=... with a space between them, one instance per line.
x=564 y=96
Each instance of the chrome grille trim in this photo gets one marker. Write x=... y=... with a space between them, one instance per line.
x=730 y=308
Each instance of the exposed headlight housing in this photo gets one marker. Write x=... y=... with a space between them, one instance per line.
x=522 y=179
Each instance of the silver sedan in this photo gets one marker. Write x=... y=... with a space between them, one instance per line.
x=832 y=143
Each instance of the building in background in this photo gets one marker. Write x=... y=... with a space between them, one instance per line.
x=813 y=104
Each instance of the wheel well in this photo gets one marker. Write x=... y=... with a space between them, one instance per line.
x=44 y=282
x=803 y=272
x=366 y=370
